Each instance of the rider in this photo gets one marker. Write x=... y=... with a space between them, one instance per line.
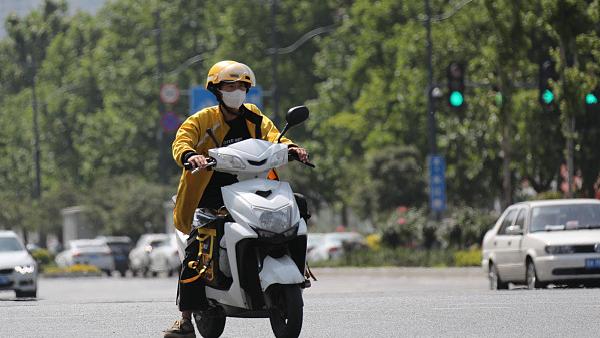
x=230 y=122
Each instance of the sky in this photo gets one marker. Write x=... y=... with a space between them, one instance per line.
x=22 y=7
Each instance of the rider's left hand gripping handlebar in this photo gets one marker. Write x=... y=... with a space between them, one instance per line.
x=294 y=157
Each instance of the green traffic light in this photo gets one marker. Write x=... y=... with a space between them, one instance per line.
x=547 y=96
x=456 y=99
x=590 y=99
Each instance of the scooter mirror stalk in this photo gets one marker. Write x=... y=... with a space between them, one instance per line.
x=294 y=117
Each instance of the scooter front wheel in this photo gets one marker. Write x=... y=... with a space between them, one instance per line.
x=210 y=324
x=287 y=312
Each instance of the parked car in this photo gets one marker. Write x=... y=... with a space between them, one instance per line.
x=18 y=270
x=120 y=246
x=544 y=242
x=139 y=257
x=165 y=257
x=87 y=251
x=332 y=245
x=313 y=240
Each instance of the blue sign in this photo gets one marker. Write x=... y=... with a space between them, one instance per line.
x=201 y=98
x=437 y=183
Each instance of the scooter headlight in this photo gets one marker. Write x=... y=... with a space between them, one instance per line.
x=277 y=221
x=230 y=161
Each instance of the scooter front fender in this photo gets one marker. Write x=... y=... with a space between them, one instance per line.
x=280 y=270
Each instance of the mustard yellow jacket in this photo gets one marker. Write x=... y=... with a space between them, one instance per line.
x=192 y=136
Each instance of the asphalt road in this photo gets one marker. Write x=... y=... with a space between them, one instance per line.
x=343 y=303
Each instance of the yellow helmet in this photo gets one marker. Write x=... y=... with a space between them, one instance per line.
x=230 y=71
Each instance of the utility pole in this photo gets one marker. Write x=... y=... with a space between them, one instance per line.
x=274 y=89
x=162 y=175
x=37 y=189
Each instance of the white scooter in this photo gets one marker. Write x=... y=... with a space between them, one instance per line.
x=263 y=248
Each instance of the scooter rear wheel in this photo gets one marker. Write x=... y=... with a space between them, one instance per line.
x=286 y=315
x=211 y=325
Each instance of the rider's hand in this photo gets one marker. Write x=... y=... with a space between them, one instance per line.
x=300 y=152
x=198 y=161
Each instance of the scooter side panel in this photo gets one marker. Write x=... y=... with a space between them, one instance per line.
x=234 y=233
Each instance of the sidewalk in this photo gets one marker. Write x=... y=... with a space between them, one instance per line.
x=450 y=272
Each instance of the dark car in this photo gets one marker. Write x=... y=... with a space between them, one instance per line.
x=120 y=246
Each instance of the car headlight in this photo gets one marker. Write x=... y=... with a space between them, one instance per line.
x=25 y=269
x=230 y=161
x=276 y=221
x=560 y=249
x=279 y=158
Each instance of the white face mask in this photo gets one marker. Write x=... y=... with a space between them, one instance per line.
x=234 y=99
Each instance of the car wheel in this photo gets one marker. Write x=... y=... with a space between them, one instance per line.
x=496 y=282
x=123 y=273
x=26 y=294
x=532 y=279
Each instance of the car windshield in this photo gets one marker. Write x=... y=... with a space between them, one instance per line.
x=10 y=244
x=565 y=217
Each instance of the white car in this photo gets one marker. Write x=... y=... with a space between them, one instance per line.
x=164 y=257
x=544 y=242
x=18 y=270
x=328 y=246
x=139 y=257
x=87 y=251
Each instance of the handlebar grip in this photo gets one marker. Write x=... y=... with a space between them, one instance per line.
x=294 y=157
x=210 y=163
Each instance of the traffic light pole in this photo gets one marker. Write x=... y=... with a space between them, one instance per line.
x=431 y=123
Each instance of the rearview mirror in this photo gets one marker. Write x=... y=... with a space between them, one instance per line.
x=514 y=230
x=294 y=116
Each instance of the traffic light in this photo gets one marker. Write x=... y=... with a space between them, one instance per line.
x=456 y=85
x=546 y=94
x=592 y=105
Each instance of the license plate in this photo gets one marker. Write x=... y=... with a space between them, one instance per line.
x=592 y=263
x=3 y=280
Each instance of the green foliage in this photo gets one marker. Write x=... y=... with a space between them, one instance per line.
x=465 y=227
x=127 y=205
x=404 y=227
x=470 y=257
x=97 y=79
x=406 y=257
x=43 y=257
x=77 y=270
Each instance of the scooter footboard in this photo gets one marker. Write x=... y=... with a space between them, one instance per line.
x=280 y=270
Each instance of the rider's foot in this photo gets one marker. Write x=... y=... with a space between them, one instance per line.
x=182 y=328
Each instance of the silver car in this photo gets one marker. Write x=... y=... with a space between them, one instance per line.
x=139 y=257
x=87 y=251
x=18 y=270
x=165 y=257
x=544 y=242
